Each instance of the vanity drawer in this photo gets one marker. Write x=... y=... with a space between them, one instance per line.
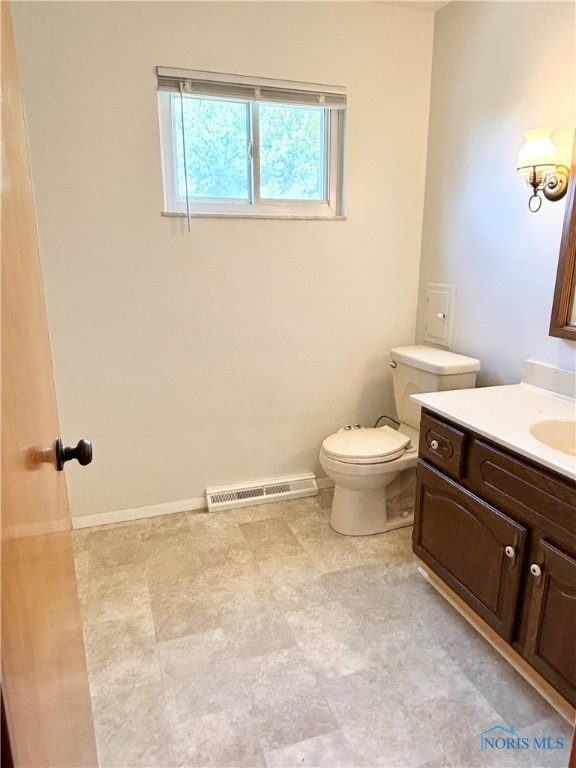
x=441 y=445
x=515 y=486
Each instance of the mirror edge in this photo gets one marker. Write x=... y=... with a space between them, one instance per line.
x=566 y=274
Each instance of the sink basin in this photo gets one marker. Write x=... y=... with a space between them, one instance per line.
x=560 y=435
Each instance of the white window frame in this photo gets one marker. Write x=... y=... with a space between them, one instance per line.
x=183 y=83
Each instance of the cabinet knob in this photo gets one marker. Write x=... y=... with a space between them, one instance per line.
x=536 y=571
x=434 y=444
x=510 y=552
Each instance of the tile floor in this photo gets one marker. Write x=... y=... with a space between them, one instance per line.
x=260 y=637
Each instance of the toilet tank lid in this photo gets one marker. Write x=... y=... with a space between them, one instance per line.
x=434 y=360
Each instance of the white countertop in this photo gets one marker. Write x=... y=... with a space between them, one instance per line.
x=504 y=415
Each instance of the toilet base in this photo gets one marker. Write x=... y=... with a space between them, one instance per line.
x=389 y=525
x=365 y=512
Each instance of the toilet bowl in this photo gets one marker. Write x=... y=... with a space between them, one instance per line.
x=366 y=465
x=374 y=468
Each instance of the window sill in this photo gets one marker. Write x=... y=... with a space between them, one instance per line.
x=295 y=216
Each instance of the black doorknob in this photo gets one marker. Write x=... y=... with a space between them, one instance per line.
x=82 y=452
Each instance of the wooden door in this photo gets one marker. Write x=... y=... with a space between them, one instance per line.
x=44 y=679
x=464 y=540
x=551 y=638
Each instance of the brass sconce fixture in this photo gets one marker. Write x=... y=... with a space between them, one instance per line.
x=537 y=164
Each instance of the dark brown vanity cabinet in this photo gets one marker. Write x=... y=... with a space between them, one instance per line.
x=501 y=533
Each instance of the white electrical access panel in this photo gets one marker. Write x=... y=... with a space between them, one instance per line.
x=439 y=314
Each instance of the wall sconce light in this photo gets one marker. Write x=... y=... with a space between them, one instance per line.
x=537 y=164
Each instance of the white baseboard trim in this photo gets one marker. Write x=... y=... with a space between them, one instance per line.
x=140 y=513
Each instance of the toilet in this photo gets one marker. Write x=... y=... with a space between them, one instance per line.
x=374 y=469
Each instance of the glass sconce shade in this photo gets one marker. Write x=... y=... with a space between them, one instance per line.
x=538 y=155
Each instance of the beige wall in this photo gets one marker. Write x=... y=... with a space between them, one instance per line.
x=499 y=68
x=228 y=354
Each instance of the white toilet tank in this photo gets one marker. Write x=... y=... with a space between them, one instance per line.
x=427 y=369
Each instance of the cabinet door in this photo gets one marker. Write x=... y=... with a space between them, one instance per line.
x=551 y=639
x=474 y=548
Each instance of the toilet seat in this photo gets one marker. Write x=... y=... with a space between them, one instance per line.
x=366 y=445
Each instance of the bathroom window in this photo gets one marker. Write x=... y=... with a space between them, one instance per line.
x=236 y=146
